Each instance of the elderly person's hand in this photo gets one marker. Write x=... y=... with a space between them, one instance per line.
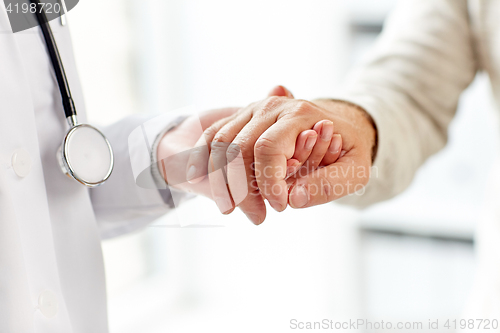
x=175 y=147
x=261 y=138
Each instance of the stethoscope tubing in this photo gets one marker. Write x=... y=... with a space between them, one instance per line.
x=55 y=57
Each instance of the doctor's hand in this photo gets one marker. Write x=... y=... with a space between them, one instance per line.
x=175 y=147
x=262 y=137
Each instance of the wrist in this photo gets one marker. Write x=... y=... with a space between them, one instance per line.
x=356 y=114
x=161 y=149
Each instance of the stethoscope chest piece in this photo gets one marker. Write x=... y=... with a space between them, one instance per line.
x=86 y=155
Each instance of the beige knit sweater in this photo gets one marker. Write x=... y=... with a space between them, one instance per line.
x=428 y=53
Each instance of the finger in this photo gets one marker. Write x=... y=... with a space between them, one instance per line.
x=346 y=176
x=240 y=178
x=195 y=169
x=197 y=165
x=280 y=91
x=209 y=117
x=172 y=162
x=303 y=148
x=217 y=177
x=332 y=155
x=272 y=150
x=246 y=139
x=245 y=195
x=334 y=150
x=172 y=168
x=236 y=171
x=324 y=129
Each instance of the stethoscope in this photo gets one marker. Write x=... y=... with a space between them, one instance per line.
x=85 y=154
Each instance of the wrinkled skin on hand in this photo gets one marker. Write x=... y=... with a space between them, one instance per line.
x=264 y=135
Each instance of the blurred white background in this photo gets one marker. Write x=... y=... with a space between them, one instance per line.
x=408 y=259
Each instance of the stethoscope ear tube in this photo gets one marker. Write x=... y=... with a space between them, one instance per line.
x=55 y=57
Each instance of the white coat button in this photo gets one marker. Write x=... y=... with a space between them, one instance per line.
x=21 y=162
x=47 y=303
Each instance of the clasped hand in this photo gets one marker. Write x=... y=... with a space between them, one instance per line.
x=281 y=149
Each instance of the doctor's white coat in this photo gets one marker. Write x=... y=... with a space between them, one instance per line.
x=51 y=266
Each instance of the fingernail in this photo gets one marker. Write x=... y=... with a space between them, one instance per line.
x=335 y=144
x=299 y=197
x=277 y=206
x=310 y=141
x=191 y=173
x=254 y=218
x=327 y=131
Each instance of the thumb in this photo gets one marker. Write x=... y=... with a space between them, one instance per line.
x=280 y=91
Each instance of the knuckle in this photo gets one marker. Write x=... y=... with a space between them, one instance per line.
x=243 y=148
x=221 y=137
x=210 y=132
x=270 y=103
x=273 y=101
x=302 y=107
x=264 y=146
